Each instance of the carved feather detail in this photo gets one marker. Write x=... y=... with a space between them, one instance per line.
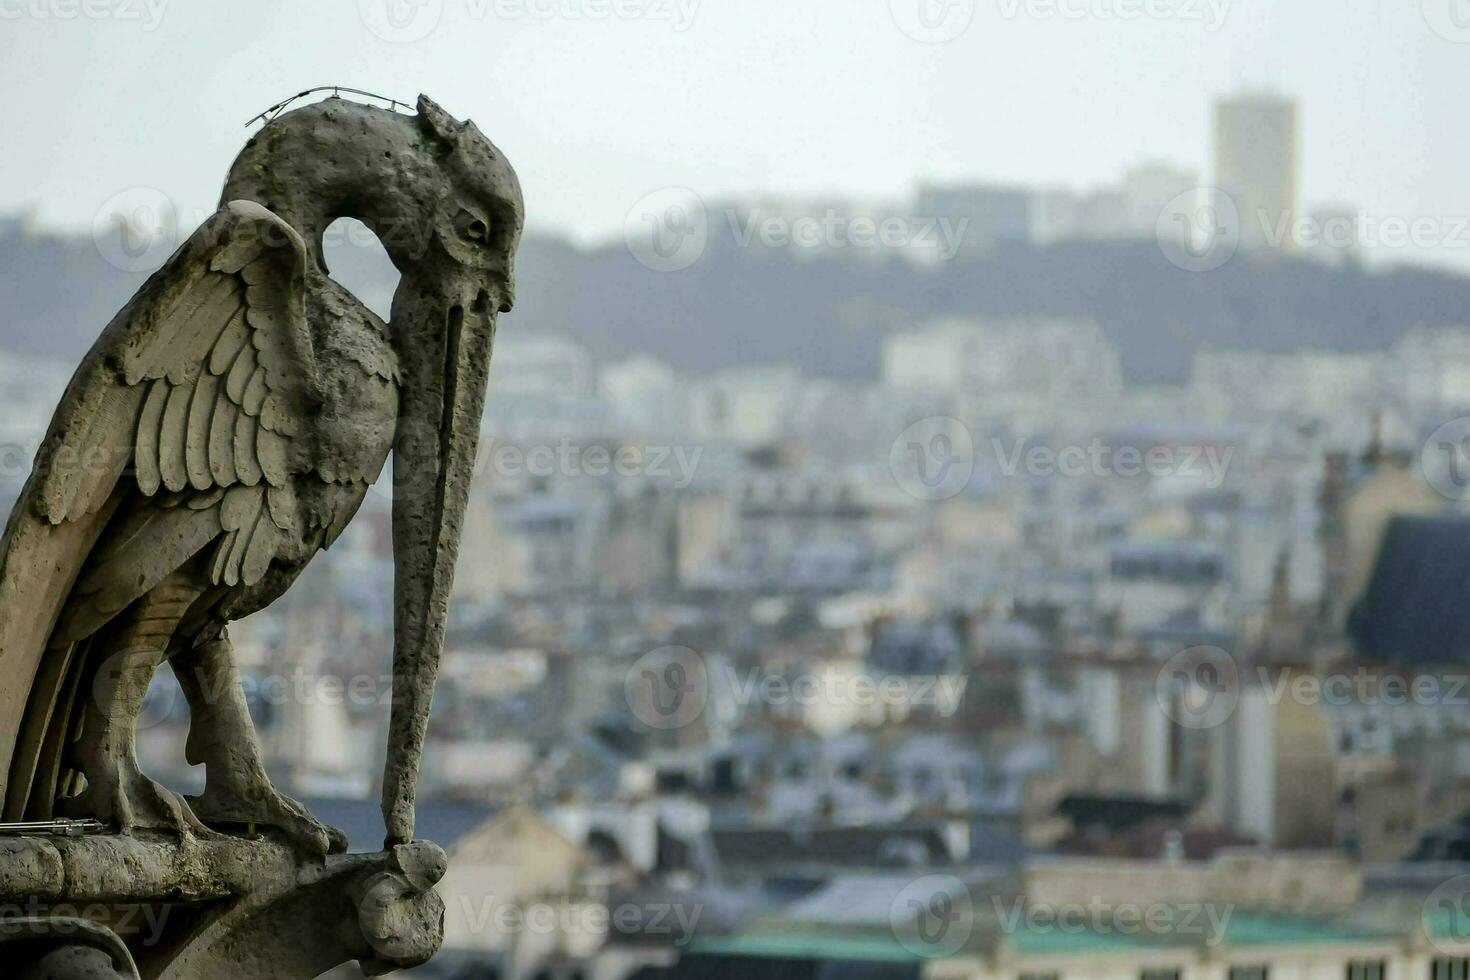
x=235 y=337
x=240 y=374
x=246 y=463
x=149 y=478
x=255 y=392
x=172 y=436
x=222 y=444
x=270 y=452
x=196 y=447
x=256 y=522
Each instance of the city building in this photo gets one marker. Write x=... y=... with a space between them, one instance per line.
x=1257 y=163
x=993 y=215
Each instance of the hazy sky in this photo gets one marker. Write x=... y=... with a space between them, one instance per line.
x=799 y=97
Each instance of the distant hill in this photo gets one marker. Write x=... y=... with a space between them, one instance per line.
x=828 y=312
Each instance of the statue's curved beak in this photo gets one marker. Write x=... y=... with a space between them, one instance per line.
x=443 y=334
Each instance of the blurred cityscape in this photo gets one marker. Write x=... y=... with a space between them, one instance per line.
x=1008 y=659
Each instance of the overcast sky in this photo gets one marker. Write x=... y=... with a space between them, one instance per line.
x=798 y=97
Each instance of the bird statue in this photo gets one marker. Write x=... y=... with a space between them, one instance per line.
x=224 y=430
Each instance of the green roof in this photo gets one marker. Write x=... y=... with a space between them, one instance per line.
x=1243 y=929
x=1058 y=942
x=1265 y=929
x=866 y=946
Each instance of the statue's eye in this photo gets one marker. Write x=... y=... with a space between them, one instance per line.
x=472 y=228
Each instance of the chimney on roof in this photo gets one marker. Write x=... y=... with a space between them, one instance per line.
x=1173 y=847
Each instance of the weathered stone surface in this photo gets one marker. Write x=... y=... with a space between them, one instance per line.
x=30 y=867
x=222 y=432
x=72 y=963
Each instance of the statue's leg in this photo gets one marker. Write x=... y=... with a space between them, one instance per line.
x=222 y=737
x=122 y=661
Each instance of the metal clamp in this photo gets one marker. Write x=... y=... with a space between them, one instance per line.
x=59 y=828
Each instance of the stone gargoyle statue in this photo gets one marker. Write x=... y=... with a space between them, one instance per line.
x=223 y=430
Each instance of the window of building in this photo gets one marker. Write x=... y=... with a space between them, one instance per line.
x=1159 y=975
x=1249 y=973
x=1040 y=976
x=1449 y=968
x=1365 y=970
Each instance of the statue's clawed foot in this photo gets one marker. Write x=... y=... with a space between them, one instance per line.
x=118 y=794
x=253 y=804
x=238 y=794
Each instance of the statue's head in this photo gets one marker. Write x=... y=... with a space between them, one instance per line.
x=478 y=220
x=442 y=199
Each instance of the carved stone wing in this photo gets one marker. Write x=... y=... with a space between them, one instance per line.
x=202 y=386
x=199 y=387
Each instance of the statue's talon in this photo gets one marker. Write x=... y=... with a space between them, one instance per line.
x=167 y=810
x=268 y=809
x=129 y=801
